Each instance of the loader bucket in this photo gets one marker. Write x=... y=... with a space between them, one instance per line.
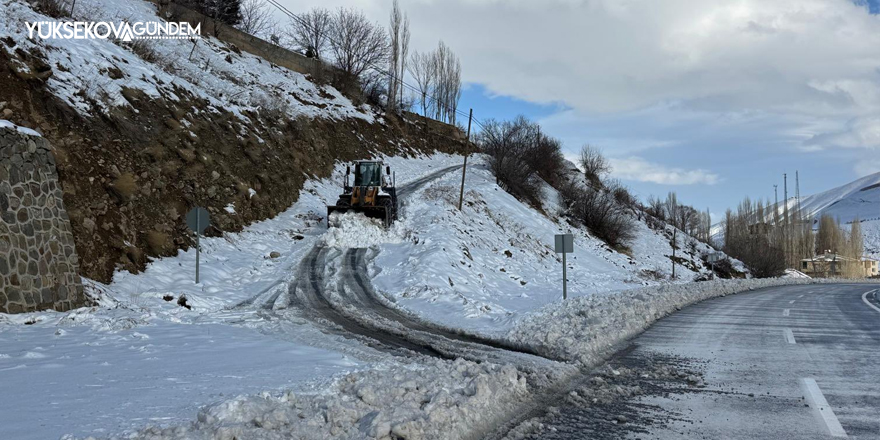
x=379 y=212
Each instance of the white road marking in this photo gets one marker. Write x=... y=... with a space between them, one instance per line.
x=789 y=336
x=820 y=405
x=865 y=299
x=791 y=302
x=786 y=312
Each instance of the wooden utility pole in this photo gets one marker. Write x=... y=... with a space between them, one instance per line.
x=674 y=243
x=466 y=154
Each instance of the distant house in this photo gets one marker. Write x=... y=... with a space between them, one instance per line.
x=832 y=265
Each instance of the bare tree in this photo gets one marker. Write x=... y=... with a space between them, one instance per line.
x=310 y=31
x=255 y=17
x=672 y=208
x=594 y=164
x=394 y=29
x=422 y=69
x=356 y=43
x=447 y=89
x=404 y=53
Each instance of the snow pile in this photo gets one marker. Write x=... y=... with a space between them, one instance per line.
x=792 y=273
x=355 y=230
x=81 y=69
x=586 y=329
x=486 y=266
x=437 y=400
x=23 y=130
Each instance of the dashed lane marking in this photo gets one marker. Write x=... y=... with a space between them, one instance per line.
x=791 y=302
x=789 y=336
x=820 y=406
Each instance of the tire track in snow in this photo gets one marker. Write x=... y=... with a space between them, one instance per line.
x=354 y=306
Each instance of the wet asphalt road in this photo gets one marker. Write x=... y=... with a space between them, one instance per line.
x=797 y=362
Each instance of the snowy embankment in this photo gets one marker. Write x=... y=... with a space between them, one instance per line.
x=237 y=82
x=139 y=359
x=588 y=329
x=485 y=267
x=438 y=399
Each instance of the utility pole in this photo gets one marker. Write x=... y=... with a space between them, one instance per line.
x=797 y=195
x=797 y=218
x=776 y=206
x=674 y=243
x=785 y=231
x=464 y=168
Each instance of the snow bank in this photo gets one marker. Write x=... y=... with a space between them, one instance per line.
x=437 y=400
x=587 y=329
x=792 y=273
x=23 y=130
x=355 y=230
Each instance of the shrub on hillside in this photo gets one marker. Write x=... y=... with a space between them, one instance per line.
x=520 y=156
x=762 y=258
x=600 y=212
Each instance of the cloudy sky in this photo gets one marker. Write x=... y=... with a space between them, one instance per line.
x=713 y=99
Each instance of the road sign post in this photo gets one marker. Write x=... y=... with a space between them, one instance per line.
x=198 y=219
x=564 y=245
x=713 y=258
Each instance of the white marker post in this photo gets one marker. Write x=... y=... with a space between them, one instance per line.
x=564 y=245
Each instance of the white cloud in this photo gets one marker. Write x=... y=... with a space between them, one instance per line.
x=814 y=57
x=640 y=170
x=859 y=133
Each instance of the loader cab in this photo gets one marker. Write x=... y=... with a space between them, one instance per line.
x=369 y=174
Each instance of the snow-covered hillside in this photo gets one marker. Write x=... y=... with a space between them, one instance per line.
x=95 y=71
x=857 y=199
x=486 y=266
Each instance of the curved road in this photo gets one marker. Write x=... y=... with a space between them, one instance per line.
x=332 y=286
x=796 y=362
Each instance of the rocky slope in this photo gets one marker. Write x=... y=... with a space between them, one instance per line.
x=142 y=132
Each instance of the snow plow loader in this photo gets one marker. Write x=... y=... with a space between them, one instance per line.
x=373 y=193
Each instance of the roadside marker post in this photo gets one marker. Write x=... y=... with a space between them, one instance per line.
x=713 y=258
x=198 y=219
x=564 y=245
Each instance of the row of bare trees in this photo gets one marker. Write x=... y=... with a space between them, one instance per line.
x=438 y=77
x=697 y=224
x=367 y=51
x=769 y=239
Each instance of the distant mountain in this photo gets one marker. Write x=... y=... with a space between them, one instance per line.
x=858 y=199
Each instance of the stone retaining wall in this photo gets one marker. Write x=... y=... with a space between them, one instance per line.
x=246 y=42
x=39 y=269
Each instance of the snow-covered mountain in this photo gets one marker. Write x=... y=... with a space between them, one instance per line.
x=857 y=199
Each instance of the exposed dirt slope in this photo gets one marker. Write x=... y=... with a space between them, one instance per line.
x=130 y=175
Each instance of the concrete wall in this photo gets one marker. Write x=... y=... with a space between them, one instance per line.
x=246 y=42
x=38 y=261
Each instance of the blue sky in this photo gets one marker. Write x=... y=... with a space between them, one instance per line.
x=714 y=100
x=746 y=162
